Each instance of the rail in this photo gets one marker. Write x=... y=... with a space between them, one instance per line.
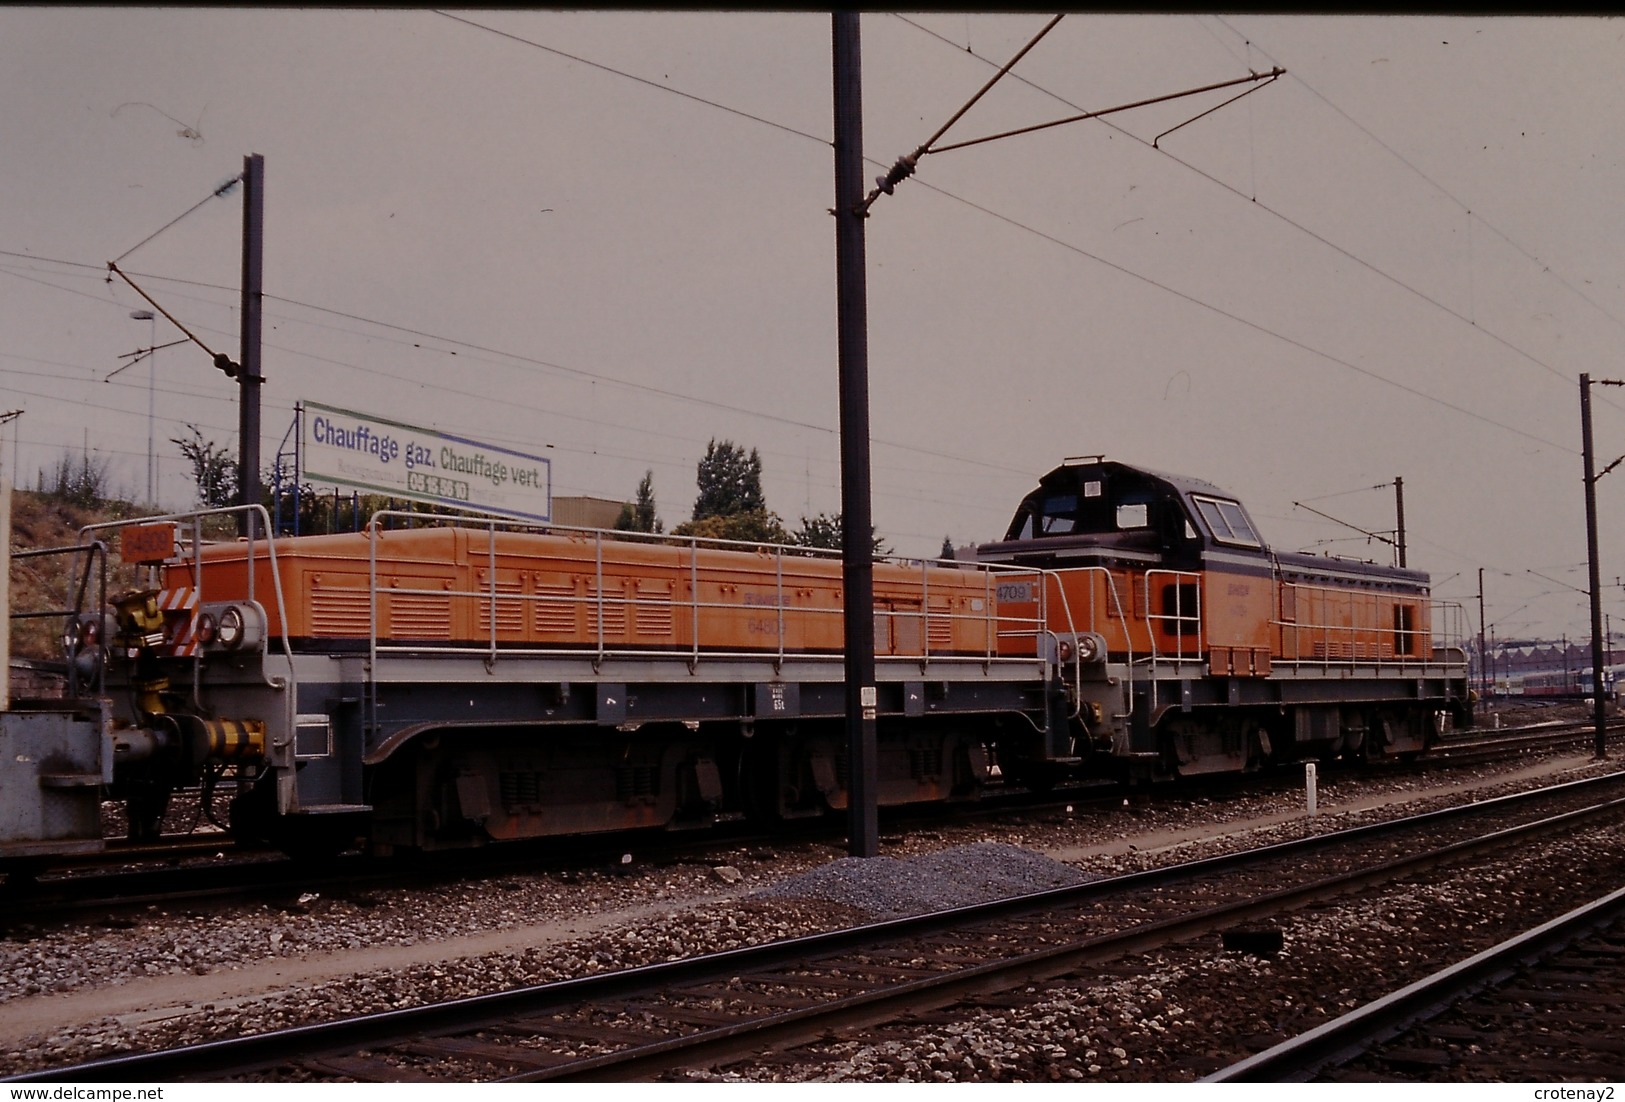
x=1301 y=1058
x=908 y=628
x=792 y=965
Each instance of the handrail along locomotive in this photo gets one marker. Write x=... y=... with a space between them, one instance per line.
x=455 y=683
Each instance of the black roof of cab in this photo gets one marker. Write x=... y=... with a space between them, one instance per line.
x=1092 y=510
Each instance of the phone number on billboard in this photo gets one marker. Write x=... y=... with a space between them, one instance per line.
x=435 y=486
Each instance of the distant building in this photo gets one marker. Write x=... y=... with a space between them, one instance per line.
x=586 y=512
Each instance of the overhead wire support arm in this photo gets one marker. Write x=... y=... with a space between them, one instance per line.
x=904 y=168
x=1621 y=459
x=1352 y=527
x=138 y=355
x=220 y=359
x=1272 y=76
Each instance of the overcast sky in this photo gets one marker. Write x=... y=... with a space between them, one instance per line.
x=607 y=234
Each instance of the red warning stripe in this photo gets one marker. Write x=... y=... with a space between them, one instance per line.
x=180 y=604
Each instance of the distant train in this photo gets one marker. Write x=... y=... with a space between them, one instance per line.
x=1573 y=684
x=475 y=680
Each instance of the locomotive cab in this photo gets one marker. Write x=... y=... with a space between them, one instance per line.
x=1112 y=510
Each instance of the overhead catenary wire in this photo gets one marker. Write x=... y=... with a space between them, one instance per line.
x=1066 y=245
x=1013 y=222
x=1345 y=493
x=1285 y=219
x=1545 y=268
x=907 y=447
x=755 y=118
x=973 y=205
x=1364 y=532
x=629 y=76
x=1220 y=311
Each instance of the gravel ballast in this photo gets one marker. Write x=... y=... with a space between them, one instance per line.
x=887 y=887
x=172 y=978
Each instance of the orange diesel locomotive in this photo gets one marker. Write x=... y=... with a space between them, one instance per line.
x=476 y=681
x=1202 y=650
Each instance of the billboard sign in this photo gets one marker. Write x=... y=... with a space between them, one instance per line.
x=380 y=456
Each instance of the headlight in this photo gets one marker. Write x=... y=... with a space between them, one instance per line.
x=82 y=634
x=1088 y=648
x=230 y=629
x=230 y=626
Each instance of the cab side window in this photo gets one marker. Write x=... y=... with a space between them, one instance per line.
x=1226 y=521
x=1060 y=514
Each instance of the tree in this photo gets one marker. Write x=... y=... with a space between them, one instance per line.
x=731 y=505
x=947 y=551
x=730 y=481
x=825 y=530
x=79 y=480
x=214 y=470
x=756 y=526
x=641 y=517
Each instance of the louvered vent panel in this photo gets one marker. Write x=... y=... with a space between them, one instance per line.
x=1119 y=597
x=340 y=612
x=940 y=627
x=510 y=611
x=555 y=608
x=419 y=616
x=613 y=610
x=653 y=614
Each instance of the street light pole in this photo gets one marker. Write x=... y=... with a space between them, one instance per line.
x=152 y=382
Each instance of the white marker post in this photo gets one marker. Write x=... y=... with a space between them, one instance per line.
x=1309 y=785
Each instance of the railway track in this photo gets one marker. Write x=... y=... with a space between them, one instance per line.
x=192 y=867
x=1540 y=1006
x=643 y=1023
x=1490 y=743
